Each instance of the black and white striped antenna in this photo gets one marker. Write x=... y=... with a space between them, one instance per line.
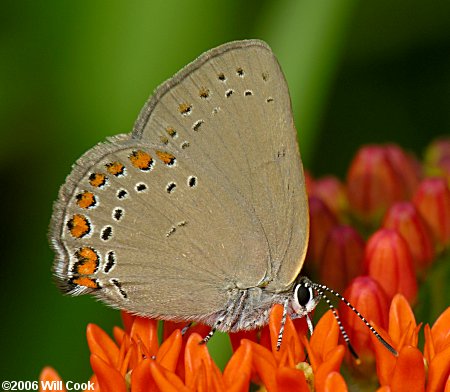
x=320 y=288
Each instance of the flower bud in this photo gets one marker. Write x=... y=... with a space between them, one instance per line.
x=432 y=199
x=373 y=184
x=332 y=192
x=322 y=220
x=342 y=257
x=388 y=260
x=369 y=298
x=405 y=218
x=407 y=167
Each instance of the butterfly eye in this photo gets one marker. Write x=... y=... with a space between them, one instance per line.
x=303 y=294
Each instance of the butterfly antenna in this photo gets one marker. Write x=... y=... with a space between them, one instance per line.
x=341 y=327
x=321 y=288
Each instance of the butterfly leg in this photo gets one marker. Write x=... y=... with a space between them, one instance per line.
x=185 y=328
x=213 y=330
x=283 y=323
x=229 y=317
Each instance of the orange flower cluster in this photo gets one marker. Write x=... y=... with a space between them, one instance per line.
x=181 y=363
x=135 y=359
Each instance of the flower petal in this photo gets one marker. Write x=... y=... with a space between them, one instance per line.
x=441 y=331
x=401 y=317
x=127 y=320
x=109 y=379
x=166 y=380
x=118 y=334
x=325 y=336
x=146 y=330
x=409 y=371
x=197 y=358
x=238 y=371
x=142 y=378
x=385 y=360
x=290 y=338
x=428 y=351
x=332 y=364
x=102 y=345
x=169 y=352
x=94 y=383
x=49 y=375
x=439 y=371
x=289 y=379
x=264 y=365
x=335 y=383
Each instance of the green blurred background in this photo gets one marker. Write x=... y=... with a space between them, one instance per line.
x=74 y=72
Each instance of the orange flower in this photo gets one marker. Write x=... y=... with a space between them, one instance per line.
x=437 y=353
x=181 y=363
x=407 y=372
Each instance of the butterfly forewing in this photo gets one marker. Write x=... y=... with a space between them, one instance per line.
x=247 y=139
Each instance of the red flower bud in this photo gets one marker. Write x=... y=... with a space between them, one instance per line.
x=406 y=166
x=342 y=257
x=366 y=295
x=432 y=199
x=322 y=220
x=332 y=192
x=388 y=260
x=405 y=218
x=373 y=183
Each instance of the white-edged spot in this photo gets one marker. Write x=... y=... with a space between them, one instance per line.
x=119 y=288
x=170 y=187
x=184 y=145
x=229 y=93
x=122 y=194
x=118 y=214
x=110 y=261
x=141 y=187
x=197 y=125
x=106 y=233
x=192 y=181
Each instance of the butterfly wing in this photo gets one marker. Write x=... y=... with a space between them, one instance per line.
x=205 y=196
